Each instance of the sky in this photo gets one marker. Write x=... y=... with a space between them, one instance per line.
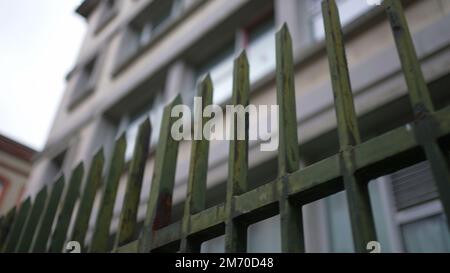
x=39 y=42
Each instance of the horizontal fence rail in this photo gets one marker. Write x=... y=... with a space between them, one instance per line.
x=44 y=223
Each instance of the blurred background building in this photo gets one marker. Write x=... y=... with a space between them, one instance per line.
x=15 y=167
x=138 y=54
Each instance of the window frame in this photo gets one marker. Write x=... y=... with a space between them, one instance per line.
x=408 y=215
x=127 y=54
x=241 y=41
x=130 y=122
x=107 y=14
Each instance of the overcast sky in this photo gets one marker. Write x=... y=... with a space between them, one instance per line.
x=40 y=40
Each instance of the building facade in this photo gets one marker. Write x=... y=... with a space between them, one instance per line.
x=15 y=167
x=138 y=54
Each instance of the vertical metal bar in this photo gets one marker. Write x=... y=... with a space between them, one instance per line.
x=198 y=169
x=288 y=156
x=421 y=102
x=32 y=222
x=45 y=226
x=363 y=226
x=16 y=229
x=65 y=215
x=128 y=216
x=343 y=98
x=99 y=241
x=87 y=200
x=236 y=231
x=6 y=225
x=160 y=198
x=418 y=90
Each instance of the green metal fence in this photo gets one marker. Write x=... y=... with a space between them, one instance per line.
x=29 y=227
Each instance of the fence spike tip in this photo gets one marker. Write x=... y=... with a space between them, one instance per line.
x=79 y=167
x=284 y=30
x=146 y=123
x=122 y=137
x=242 y=57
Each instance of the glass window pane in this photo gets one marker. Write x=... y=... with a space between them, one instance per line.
x=145 y=34
x=152 y=20
x=380 y=210
x=261 y=50
x=427 y=235
x=264 y=236
x=132 y=133
x=341 y=239
x=216 y=245
x=162 y=16
x=221 y=71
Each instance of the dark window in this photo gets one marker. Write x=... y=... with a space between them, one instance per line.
x=108 y=10
x=150 y=22
x=85 y=82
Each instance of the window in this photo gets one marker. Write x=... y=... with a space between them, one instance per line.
x=349 y=10
x=58 y=164
x=413 y=186
x=419 y=212
x=220 y=68
x=427 y=235
x=259 y=43
x=340 y=233
x=260 y=46
x=108 y=10
x=154 y=110
x=85 y=82
x=338 y=216
x=146 y=28
x=148 y=24
x=416 y=214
